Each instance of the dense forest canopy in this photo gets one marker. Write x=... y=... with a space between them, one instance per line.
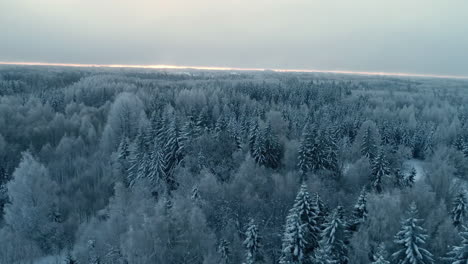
x=143 y=166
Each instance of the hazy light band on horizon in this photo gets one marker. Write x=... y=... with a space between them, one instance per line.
x=216 y=68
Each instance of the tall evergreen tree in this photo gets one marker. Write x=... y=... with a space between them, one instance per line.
x=253 y=133
x=459 y=254
x=318 y=153
x=411 y=178
x=294 y=242
x=156 y=172
x=301 y=231
x=331 y=150
x=410 y=241
x=459 y=209
x=224 y=252
x=379 y=255
x=93 y=257
x=380 y=170
x=69 y=259
x=267 y=150
x=359 y=214
x=334 y=237
x=321 y=209
x=252 y=244
x=323 y=255
x=305 y=155
x=368 y=144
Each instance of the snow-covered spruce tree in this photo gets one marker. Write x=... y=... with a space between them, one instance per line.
x=224 y=251
x=301 y=233
x=380 y=170
x=267 y=150
x=399 y=180
x=69 y=259
x=134 y=159
x=334 y=237
x=465 y=149
x=323 y=255
x=359 y=213
x=252 y=134
x=252 y=244
x=308 y=215
x=93 y=257
x=305 y=155
x=319 y=157
x=318 y=150
x=185 y=135
x=123 y=152
x=459 y=254
x=331 y=150
x=379 y=255
x=234 y=129
x=171 y=153
x=156 y=172
x=410 y=241
x=294 y=242
x=369 y=142
x=411 y=178
x=321 y=209
x=459 y=209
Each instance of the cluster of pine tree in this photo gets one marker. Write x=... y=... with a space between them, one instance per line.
x=139 y=166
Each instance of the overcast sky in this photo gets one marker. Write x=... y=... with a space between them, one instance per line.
x=416 y=36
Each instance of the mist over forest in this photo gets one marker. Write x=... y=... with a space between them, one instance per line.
x=137 y=166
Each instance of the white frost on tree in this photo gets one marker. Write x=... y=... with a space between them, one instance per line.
x=410 y=241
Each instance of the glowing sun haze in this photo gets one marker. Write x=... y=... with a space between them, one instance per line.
x=415 y=36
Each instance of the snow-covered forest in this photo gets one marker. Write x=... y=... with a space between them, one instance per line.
x=132 y=166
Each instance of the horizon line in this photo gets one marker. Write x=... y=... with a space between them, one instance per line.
x=225 y=68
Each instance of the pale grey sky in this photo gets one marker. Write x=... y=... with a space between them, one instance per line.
x=417 y=36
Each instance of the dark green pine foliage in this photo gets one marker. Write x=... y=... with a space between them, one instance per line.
x=459 y=209
x=301 y=231
x=252 y=244
x=410 y=241
x=334 y=237
x=380 y=170
x=379 y=255
x=459 y=254
x=359 y=214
